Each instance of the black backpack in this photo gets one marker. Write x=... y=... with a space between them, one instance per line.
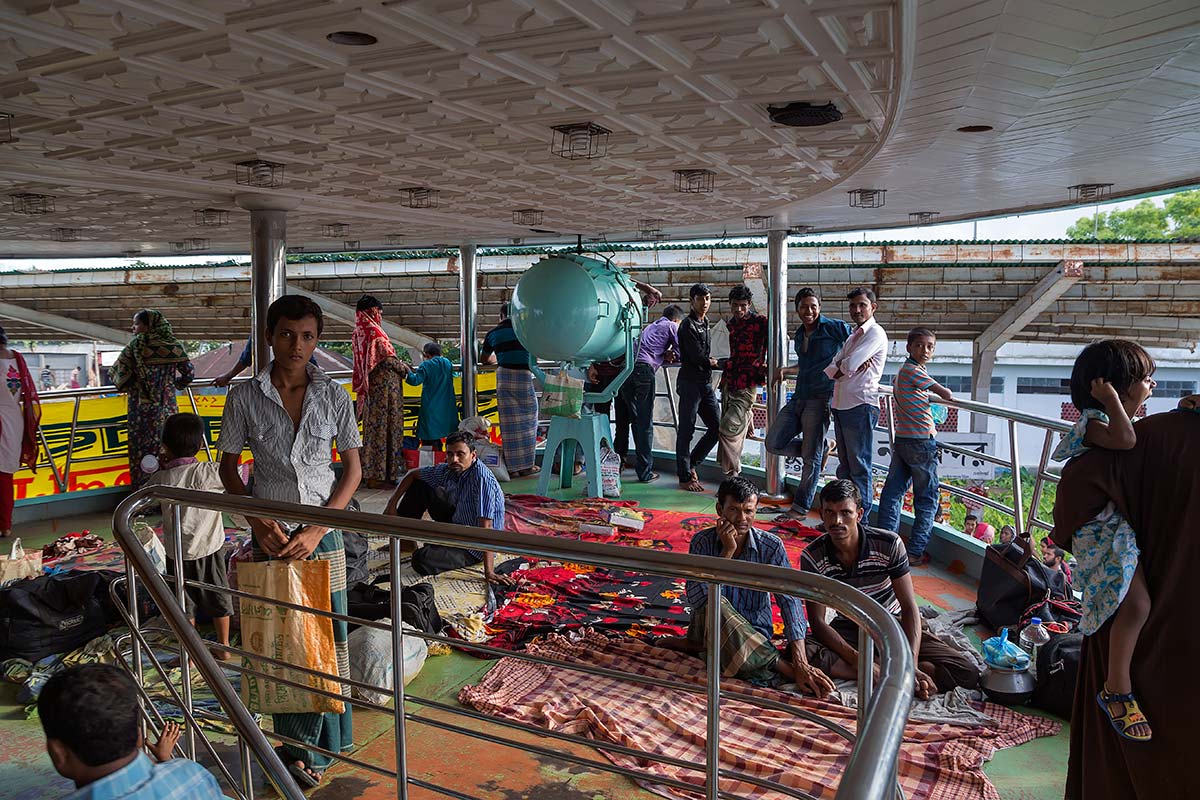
x=50 y=615
x=1057 y=673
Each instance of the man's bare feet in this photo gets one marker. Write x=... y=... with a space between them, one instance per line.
x=691 y=486
x=163 y=749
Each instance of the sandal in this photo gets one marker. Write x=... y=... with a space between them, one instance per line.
x=306 y=776
x=653 y=477
x=1132 y=717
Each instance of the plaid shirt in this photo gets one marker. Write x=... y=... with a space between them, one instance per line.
x=754 y=605
x=747 y=362
x=142 y=780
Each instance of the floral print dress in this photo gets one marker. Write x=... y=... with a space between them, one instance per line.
x=1106 y=547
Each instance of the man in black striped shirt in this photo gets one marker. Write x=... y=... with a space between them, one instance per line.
x=874 y=562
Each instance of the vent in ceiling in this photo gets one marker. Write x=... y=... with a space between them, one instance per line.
x=804 y=115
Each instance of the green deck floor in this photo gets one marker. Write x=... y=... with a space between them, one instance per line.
x=1033 y=771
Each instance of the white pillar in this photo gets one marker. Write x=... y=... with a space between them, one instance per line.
x=777 y=267
x=468 y=284
x=268 y=253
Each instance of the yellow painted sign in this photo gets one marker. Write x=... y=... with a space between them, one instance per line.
x=99 y=456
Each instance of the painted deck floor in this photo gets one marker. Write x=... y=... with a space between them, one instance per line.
x=1033 y=771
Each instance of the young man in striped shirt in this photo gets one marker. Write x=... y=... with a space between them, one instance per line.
x=914 y=449
x=874 y=562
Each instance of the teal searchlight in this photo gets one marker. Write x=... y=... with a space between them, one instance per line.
x=577 y=310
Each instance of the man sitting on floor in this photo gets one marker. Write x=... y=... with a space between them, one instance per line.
x=94 y=737
x=746 y=649
x=875 y=563
x=461 y=491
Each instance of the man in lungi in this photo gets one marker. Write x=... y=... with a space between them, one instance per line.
x=746 y=624
x=515 y=395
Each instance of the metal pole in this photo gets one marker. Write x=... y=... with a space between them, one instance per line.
x=196 y=410
x=71 y=445
x=1015 y=459
x=713 y=750
x=866 y=675
x=776 y=350
x=398 y=670
x=468 y=284
x=185 y=667
x=247 y=769
x=268 y=254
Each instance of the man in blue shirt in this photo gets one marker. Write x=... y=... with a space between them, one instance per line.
x=818 y=340
x=461 y=491
x=93 y=735
x=746 y=624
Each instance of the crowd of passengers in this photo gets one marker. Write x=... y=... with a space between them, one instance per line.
x=291 y=414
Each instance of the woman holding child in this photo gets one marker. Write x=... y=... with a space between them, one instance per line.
x=1125 y=507
x=151 y=368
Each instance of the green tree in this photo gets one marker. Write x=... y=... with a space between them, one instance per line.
x=1177 y=218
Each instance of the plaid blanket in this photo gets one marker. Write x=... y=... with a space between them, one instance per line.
x=937 y=761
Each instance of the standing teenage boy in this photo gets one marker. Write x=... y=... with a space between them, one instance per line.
x=289 y=416
x=855 y=372
x=742 y=373
x=695 y=390
x=914 y=449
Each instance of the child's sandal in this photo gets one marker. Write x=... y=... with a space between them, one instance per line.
x=1132 y=717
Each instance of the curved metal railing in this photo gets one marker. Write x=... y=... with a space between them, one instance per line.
x=870 y=773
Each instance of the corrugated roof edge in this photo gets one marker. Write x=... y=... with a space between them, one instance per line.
x=413 y=255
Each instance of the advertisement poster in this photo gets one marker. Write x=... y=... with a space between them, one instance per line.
x=98 y=458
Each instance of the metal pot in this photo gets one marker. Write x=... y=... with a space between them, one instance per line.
x=1009 y=687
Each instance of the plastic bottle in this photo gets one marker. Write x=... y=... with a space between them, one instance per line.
x=1032 y=639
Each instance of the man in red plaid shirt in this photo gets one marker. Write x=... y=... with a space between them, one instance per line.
x=743 y=372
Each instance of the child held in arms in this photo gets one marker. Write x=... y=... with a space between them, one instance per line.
x=203 y=531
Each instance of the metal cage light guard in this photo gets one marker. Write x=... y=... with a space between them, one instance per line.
x=581 y=140
x=210 y=217
x=420 y=197
x=335 y=230
x=867 y=198
x=528 y=216
x=259 y=173
x=31 y=203
x=695 y=181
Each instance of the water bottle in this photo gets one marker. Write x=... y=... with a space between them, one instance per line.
x=1032 y=639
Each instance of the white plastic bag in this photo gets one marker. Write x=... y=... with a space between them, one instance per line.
x=491 y=457
x=371 y=660
x=152 y=545
x=610 y=472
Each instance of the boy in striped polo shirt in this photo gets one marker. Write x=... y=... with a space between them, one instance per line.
x=914 y=449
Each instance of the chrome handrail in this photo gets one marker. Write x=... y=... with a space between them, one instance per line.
x=882 y=712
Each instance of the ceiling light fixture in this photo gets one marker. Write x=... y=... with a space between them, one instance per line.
x=29 y=203
x=259 y=173
x=650 y=227
x=804 y=115
x=335 y=230
x=580 y=140
x=867 y=198
x=66 y=234
x=975 y=129
x=197 y=244
x=352 y=38
x=801 y=230
x=6 y=134
x=528 y=216
x=210 y=217
x=759 y=223
x=695 y=181
x=1090 y=192
x=419 y=197
x=180 y=247
x=923 y=217
x=351 y=244
x=395 y=239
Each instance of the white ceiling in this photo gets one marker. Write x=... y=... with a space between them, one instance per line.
x=132 y=113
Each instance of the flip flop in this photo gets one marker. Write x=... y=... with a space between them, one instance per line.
x=653 y=477
x=306 y=778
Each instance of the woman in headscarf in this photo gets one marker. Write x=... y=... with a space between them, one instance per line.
x=150 y=370
x=20 y=413
x=377 y=386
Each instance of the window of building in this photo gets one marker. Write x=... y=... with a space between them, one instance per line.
x=1043 y=385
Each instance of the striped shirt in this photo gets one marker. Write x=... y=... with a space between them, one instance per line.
x=914 y=415
x=475 y=494
x=754 y=605
x=141 y=779
x=881 y=559
x=293 y=464
x=502 y=340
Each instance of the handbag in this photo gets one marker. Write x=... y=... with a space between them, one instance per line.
x=294 y=637
x=563 y=395
x=1011 y=581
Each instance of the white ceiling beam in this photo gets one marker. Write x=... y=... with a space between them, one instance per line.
x=1025 y=310
x=75 y=327
x=344 y=313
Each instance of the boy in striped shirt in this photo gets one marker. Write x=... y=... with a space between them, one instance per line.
x=914 y=449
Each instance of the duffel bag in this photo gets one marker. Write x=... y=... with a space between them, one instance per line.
x=50 y=615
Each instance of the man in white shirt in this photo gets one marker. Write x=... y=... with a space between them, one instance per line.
x=855 y=372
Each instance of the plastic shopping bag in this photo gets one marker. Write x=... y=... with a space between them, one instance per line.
x=19 y=564
x=1000 y=652
x=610 y=472
x=294 y=637
x=371 y=660
x=563 y=395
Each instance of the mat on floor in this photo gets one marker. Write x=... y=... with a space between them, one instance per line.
x=554 y=596
x=937 y=761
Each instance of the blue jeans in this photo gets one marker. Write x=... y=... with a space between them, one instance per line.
x=808 y=418
x=915 y=461
x=854 y=430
